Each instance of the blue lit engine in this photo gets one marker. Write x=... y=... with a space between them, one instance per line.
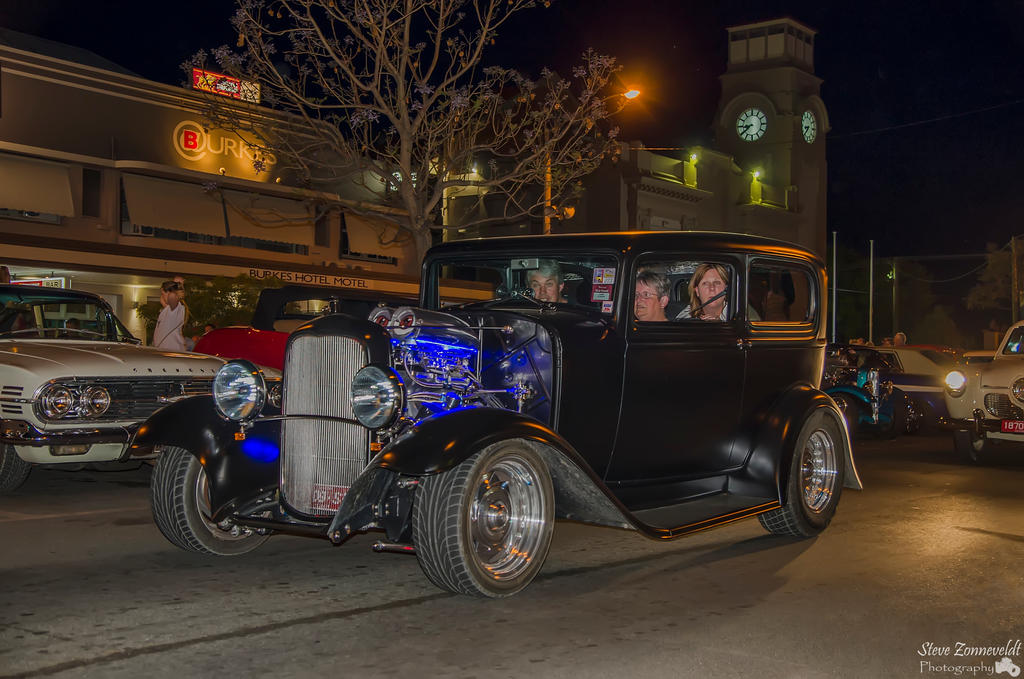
x=440 y=360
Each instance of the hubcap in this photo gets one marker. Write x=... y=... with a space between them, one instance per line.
x=203 y=505
x=506 y=517
x=818 y=470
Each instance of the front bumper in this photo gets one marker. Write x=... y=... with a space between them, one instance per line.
x=981 y=427
x=66 y=445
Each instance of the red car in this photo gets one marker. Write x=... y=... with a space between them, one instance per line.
x=279 y=311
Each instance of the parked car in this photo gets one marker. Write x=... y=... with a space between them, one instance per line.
x=985 y=398
x=278 y=312
x=74 y=383
x=920 y=374
x=463 y=433
x=860 y=380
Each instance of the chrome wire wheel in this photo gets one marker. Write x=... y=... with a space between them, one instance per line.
x=507 y=514
x=818 y=470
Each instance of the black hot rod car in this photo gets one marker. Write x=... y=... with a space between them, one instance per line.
x=462 y=433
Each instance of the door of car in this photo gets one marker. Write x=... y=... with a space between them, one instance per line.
x=682 y=387
x=783 y=349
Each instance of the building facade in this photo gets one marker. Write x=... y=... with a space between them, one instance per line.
x=766 y=174
x=110 y=183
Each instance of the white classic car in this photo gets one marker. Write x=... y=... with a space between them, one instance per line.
x=985 y=397
x=75 y=384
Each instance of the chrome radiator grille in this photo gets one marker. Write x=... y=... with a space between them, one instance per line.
x=999 y=405
x=320 y=458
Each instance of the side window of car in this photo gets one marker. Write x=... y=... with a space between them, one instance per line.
x=683 y=289
x=780 y=293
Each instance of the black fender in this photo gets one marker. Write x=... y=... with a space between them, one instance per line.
x=774 y=444
x=237 y=466
x=439 y=443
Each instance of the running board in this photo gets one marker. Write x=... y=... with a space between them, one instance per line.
x=675 y=521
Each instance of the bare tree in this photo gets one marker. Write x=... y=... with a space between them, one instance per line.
x=394 y=94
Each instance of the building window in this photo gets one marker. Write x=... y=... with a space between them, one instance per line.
x=29 y=216
x=322 y=227
x=91 y=196
x=345 y=253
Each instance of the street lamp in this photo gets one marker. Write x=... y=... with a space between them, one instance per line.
x=564 y=213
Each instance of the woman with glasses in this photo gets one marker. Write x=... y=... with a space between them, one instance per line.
x=652 y=290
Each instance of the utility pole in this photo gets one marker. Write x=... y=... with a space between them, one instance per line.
x=871 y=293
x=895 y=297
x=835 y=283
x=1015 y=289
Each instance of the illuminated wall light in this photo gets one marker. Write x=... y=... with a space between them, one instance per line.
x=757 y=174
x=693 y=157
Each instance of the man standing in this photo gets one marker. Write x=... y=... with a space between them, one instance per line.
x=172 y=316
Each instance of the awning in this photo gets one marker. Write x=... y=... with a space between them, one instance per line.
x=377 y=236
x=35 y=186
x=167 y=204
x=251 y=215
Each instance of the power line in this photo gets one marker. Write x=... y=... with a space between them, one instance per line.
x=924 y=122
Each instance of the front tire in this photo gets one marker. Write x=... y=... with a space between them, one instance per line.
x=181 y=508
x=970 y=446
x=13 y=470
x=816 y=476
x=484 y=527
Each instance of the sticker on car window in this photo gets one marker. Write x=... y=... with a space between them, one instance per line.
x=601 y=292
x=606 y=307
x=604 y=275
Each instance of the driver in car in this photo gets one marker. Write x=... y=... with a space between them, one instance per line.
x=546 y=282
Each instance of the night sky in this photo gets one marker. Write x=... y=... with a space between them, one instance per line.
x=926 y=99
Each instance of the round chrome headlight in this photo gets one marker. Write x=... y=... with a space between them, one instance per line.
x=94 y=401
x=376 y=396
x=239 y=390
x=1018 y=389
x=956 y=383
x=56 y=401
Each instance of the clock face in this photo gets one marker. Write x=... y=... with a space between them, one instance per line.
x=809 y=125
x=751 y=124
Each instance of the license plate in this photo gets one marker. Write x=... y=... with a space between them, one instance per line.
x=1012 y=427
x=330 y=497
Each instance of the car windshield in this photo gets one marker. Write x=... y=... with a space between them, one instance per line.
x=1015 y=343
x=943 y=358
x=577 y=280
x=35 y=314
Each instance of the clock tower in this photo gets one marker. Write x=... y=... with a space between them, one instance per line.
x=772 y=121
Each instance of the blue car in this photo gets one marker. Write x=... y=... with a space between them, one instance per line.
x=861 y=382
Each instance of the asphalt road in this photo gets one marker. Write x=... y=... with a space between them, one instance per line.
x=931 y=552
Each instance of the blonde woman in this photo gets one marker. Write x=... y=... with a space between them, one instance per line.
x=709 y=294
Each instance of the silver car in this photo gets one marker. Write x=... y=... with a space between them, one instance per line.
x=75 y=384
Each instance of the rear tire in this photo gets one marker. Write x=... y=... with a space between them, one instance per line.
x=484 y=527
x=13 y=470
x=816 y=476
x=971 y=447
x=181 y=508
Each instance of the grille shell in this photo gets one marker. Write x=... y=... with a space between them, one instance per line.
x=320 y=457
x=999 y=405
x=132 y=399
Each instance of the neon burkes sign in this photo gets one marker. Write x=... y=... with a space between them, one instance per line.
x=193 y=143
